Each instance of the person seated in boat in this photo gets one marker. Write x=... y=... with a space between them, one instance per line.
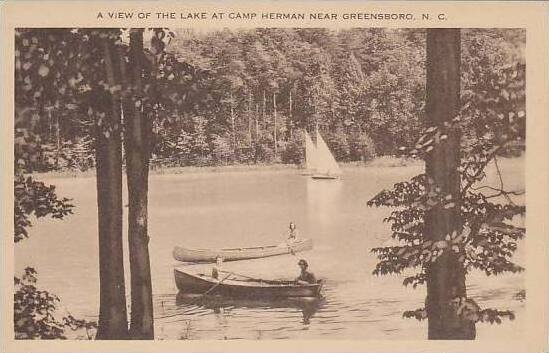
x=292 y=233
x=217 y=267
x=305 y=277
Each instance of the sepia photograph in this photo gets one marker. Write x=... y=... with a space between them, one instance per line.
x=269 y=183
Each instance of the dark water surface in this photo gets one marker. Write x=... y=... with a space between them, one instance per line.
x=227 y=209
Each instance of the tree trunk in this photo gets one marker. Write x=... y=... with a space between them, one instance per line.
x=256 y=144
x=233 y=126
x=256 y=123
x=113 y=321
x=137 y=140
x=446 y=276
x=249 y=111
x=263 y=111
x=290 y=116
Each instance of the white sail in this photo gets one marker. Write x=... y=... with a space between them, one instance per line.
x=310 y=153
x=326 y=163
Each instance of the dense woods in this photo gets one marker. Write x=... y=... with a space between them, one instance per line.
x=110 y=98
x=229 y=94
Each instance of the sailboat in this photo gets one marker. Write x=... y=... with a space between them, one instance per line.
x=319 y=161
x=326 y=165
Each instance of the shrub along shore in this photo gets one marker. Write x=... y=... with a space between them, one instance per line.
x=379 y=162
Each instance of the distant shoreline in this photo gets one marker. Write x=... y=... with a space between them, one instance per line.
x=380 y=162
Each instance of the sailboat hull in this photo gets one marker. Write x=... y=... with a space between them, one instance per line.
x=326 y=177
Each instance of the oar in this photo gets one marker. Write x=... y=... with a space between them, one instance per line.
x=244 y=276
x=215 y=285
x=197 y=299
x=260 y=279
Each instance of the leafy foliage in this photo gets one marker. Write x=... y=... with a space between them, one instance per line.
x=34 y=198
x=45 y=84
x=35 y=310
x=469 y=310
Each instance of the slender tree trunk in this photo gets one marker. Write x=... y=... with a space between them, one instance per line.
x=290 y=116
x=274 y=128
x=263 y=111
x=58 y=138
x=256 y=147
x=113 y=321
x=137 y=139
x=446 y=276
x=316 y=124
x=249 y=119
x=256 y=123
x=233 y=125
x=50 y=122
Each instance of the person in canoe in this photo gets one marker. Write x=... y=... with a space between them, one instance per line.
x=292 y=233
x=305 y=277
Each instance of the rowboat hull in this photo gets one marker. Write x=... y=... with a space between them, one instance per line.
x=328 y=177
x=210 y=255
x=219 y=301
x=200 y=284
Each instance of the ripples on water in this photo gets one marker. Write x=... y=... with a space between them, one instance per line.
x=251 y=208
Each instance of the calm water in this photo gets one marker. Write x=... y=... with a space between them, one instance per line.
x=253 y=208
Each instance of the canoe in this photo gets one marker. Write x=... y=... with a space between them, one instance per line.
x=234 y=254
x=232 y=287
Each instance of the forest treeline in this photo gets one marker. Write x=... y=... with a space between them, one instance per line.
x=250 y=94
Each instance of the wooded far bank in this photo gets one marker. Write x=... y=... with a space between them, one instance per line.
x=250 y=94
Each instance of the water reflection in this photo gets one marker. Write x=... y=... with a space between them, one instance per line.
x=322 y=199
x=222 y=304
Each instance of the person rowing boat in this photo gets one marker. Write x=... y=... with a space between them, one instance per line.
x=305 y=277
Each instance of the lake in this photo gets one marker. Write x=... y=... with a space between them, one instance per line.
x=246 y=208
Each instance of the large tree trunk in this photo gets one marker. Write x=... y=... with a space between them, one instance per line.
x=137 y=140
x=113 y=321
x=446 y=276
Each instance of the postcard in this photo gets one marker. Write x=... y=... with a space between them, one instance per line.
x=274 y=176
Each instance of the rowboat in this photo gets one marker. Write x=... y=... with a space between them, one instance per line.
x=307 y=305
x=239 y=288
x=233 y=254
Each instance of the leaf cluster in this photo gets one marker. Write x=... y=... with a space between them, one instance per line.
x=35 y=312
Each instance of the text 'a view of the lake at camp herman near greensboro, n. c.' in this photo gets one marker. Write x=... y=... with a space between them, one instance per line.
x=314 y=16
